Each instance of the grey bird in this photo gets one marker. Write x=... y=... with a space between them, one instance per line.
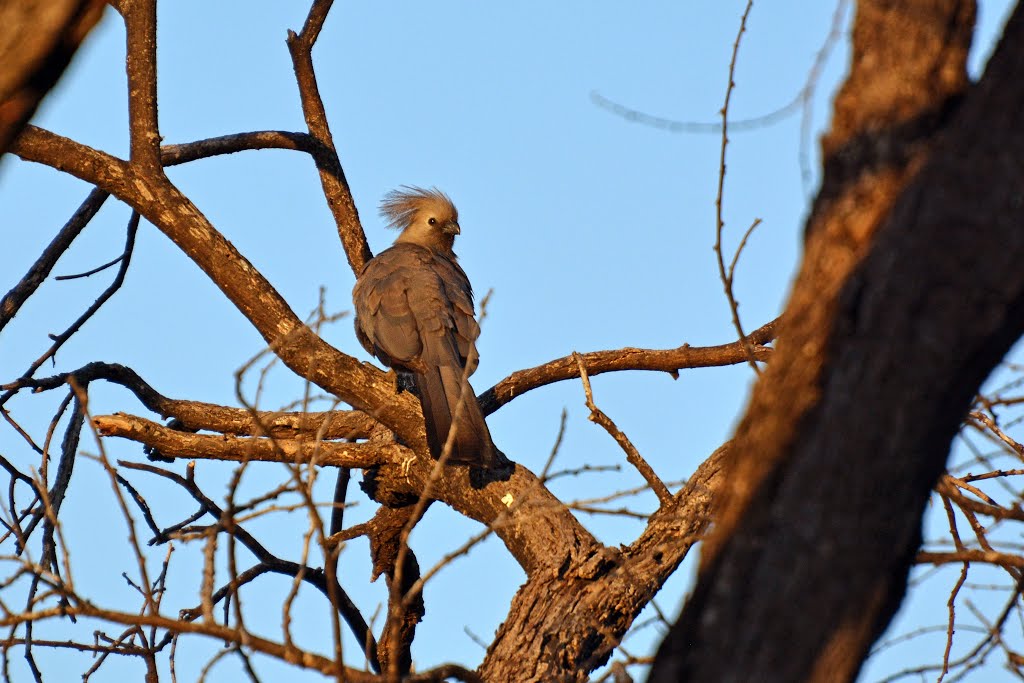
x=414 y=312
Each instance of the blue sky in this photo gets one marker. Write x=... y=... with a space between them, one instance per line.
x=592 y=232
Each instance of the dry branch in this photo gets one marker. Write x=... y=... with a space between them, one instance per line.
x=632 y=454
x=171 y=443
x=571 y=620
x=968 y=556
x=197 y=415
x=26 y=287
x=291 y=654
x=332 y=175
x=598 y=362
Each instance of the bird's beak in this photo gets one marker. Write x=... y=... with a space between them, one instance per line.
x=451 y=228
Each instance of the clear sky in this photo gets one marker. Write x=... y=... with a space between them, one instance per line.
x=593 y=233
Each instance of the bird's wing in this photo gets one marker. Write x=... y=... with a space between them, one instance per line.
x=464 y=325
x=403 y=313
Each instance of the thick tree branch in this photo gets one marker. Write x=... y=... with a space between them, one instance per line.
x=170 y=156
x=171 y=443
x=540 y=532
x=170 y=211
x=563 y=625
x=197 y=415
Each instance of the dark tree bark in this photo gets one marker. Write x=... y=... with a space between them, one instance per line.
x=909 y=294
x=37 y=42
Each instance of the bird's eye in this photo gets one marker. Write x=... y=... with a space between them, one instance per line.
x=432 y=221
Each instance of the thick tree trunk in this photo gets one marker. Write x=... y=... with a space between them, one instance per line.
x=565 y=621
x=910 y=293
x=37 y=40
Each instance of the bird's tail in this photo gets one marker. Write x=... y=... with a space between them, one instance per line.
x=440 y=389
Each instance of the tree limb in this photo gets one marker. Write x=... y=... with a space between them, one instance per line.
x=172 y=443
x=197 y=415
x=598 y=362
x=332 y=175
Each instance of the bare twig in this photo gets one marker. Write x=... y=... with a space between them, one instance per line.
x=60 y=339
x=269 y=563
x=951 y=602
x=172 y=155
x=291 y=654
x=35 y=276
x=632 y=454
x=726 y=275
x=983 y=556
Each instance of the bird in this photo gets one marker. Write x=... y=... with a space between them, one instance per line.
x=414 y=312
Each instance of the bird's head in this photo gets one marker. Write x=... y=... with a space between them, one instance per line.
x=425 y=217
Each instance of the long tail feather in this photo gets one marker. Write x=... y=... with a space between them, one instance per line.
x=440 y=389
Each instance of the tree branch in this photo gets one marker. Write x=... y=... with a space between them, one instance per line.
x=562 y=625
x=332 y=175
x=183 y=153
x=968 y=556
x=172 y=443
x=29 y=283
x=598 y=362
x=143 y=124
x=269 y=562
x=197 y=415
x=288 y=653
x=632 y=454
x=301 y=350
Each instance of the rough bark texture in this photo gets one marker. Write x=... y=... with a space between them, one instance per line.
x=37 y=42
x=909 y=294
x=565 y=621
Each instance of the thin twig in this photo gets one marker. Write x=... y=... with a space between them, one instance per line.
x=726 y=275
x=35 y=276
x=632 y=454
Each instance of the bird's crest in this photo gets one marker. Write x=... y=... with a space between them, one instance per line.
x=399 y=207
